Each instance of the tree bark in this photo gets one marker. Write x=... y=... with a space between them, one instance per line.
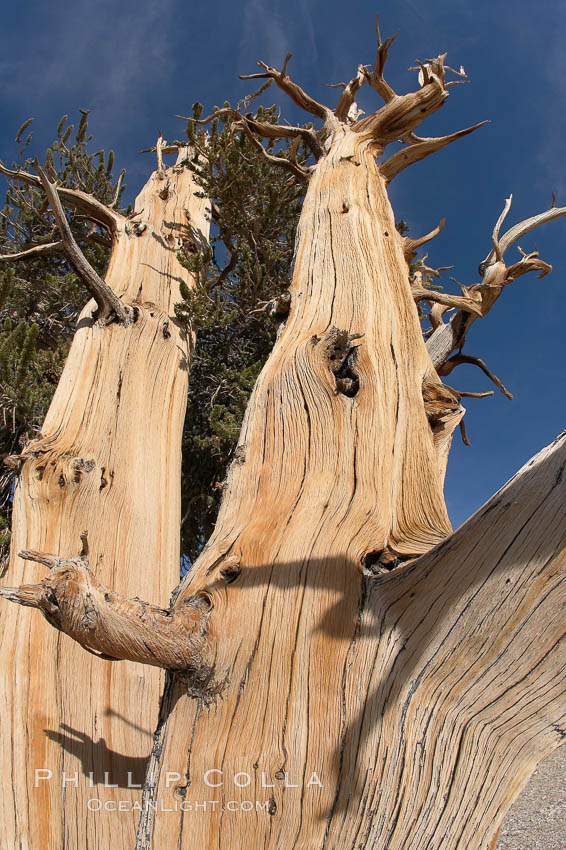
x=107 y=462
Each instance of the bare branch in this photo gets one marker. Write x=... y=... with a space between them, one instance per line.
x=419 y=150
x=79 y=200
x=281 y=131
x=499 y=222
x=35 y=251
x=375 y=77
x=94 y=236
x=465 y=394
x=470 y=305
x=438 y=68
x=459 y=359
x=267 y=130
x=159 y=145
x=26 y=595
x=410 y=245
x=528 y=263
x=439 y=399
x=447 y=337
x=280 y=161
x=118 y=187
x=519 y=230
x=295 y=92
x=165 y=149
x=402 y=114
x=348 y=96
x=47 y=560
x=422 y=268
x=294 y=150
x=118 y=628
x=464 y=433
x=107 y=300
x=460 y=73
x=435 y=317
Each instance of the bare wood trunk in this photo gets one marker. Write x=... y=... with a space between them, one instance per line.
x=360 y=708
x=325 y=483
x=367 y=678
x=107 y=461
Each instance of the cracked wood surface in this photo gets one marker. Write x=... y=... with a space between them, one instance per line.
x=108 y=461
x=378 y=682
x=323 y=479
x=421 y=698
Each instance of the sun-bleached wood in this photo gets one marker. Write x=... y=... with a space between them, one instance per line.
x=378 y=682
x=107 y=461
x=76 y=198
x=446 y=689
x=420 y=149
x=114 y=627
x=409 y=694
x=36 y=251
x=451 y=335
x=109 y=305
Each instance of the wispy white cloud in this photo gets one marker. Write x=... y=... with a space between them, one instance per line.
x=308 y=28
x=103 y=52
x=263 y=28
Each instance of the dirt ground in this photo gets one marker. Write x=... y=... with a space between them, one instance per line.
x=537 y=819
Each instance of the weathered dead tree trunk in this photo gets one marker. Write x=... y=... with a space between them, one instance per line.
x=364 y=703
x=354 y=675
x=107 y=462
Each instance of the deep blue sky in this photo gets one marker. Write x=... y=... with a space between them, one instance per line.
x=136 y=64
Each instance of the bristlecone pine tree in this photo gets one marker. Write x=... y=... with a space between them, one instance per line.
x=342 y=671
